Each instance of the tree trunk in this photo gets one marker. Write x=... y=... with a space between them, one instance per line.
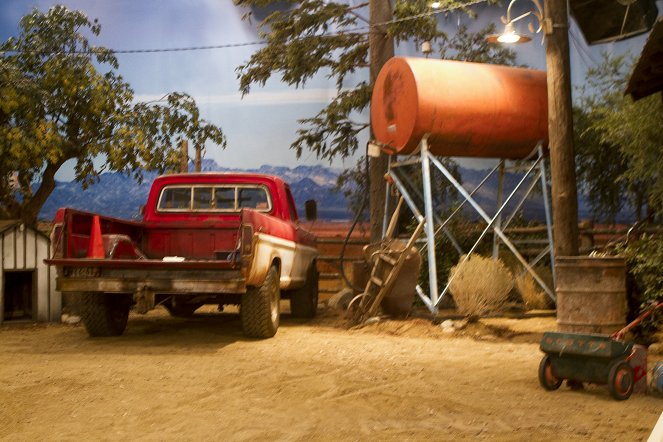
x=198 y=162
x=560 y=131
x=184 y=156
x=31 y=208
x=381 y=49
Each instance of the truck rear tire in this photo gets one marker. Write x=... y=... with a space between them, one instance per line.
x=105 y=314
x=259 y=310
x=304 y=301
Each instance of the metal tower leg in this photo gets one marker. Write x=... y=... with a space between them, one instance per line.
x=430 y=227
x=546 y=206
x=500 y=200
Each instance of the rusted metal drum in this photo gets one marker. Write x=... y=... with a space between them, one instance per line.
x=470 y=109
x=591 y=294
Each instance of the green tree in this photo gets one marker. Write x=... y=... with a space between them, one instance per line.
x=619 y=143
x=61 y=99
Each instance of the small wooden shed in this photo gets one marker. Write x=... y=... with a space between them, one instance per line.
x=27 y=285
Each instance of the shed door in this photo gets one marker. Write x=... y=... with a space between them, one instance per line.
x=19 y=293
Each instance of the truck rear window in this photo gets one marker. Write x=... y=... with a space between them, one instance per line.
x=214 y=198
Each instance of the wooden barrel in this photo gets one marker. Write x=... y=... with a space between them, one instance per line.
x=591 y=294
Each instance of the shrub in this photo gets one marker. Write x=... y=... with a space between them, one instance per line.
x=480 y=285
x=447 y=255
x=532 y=295
x=644 y=260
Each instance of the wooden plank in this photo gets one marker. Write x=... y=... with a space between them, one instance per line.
x=42 y=284
x=8 y=250
x=55 y=296
x=30 y=249
x=2 y=278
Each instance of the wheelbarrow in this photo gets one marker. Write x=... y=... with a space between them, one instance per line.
x=594 y=358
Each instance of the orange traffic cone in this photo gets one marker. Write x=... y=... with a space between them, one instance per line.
x=95 y=248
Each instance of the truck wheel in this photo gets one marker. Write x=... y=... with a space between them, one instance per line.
x=105 y=314
x=259 y=309
x=304 y=301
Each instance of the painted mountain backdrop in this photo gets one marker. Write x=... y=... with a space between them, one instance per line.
x=120 y=196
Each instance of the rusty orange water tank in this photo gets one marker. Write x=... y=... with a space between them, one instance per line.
x=470 y=109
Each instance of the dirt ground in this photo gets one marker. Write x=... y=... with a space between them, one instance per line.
x=200 y=379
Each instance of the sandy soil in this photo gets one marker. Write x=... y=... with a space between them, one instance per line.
x=200 y=379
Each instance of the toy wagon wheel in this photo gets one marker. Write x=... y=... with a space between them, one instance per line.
x=621 y=380
x=546 y=377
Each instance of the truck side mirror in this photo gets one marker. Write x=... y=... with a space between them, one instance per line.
x=311 y=209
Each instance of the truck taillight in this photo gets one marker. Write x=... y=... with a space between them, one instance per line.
x=247 y=240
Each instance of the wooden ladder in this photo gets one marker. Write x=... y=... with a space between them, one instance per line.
x=387 y=262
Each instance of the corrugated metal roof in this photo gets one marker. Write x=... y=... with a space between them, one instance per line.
x=604 y=21
x=647 y=77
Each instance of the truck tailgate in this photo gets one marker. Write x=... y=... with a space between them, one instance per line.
x=143 y=263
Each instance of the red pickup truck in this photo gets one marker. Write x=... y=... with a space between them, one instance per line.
x=205 y=238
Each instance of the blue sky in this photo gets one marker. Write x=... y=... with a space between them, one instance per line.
x=260 y=127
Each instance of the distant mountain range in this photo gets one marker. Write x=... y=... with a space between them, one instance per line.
x=121 y=196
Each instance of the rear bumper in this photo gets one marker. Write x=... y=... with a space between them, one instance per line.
x=154 y=285
x=156 y=277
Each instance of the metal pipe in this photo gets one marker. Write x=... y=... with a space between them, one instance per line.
x=546 y=207
x=406 y=196
x=430 y=231
x=500 y=198
x=386 y=200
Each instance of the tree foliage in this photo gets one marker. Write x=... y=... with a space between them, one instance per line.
x=61 y=99
x=618 y=144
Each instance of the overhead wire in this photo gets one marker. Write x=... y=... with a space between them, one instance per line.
x=264 y=42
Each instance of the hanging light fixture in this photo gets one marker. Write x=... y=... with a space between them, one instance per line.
x=510 y=36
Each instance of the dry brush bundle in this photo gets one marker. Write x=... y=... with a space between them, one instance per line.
x=480 y=285
x=533 y=296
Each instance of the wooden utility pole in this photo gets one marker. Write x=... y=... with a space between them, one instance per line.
x=184 y=156
x=381 y=49
x=560 y=129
